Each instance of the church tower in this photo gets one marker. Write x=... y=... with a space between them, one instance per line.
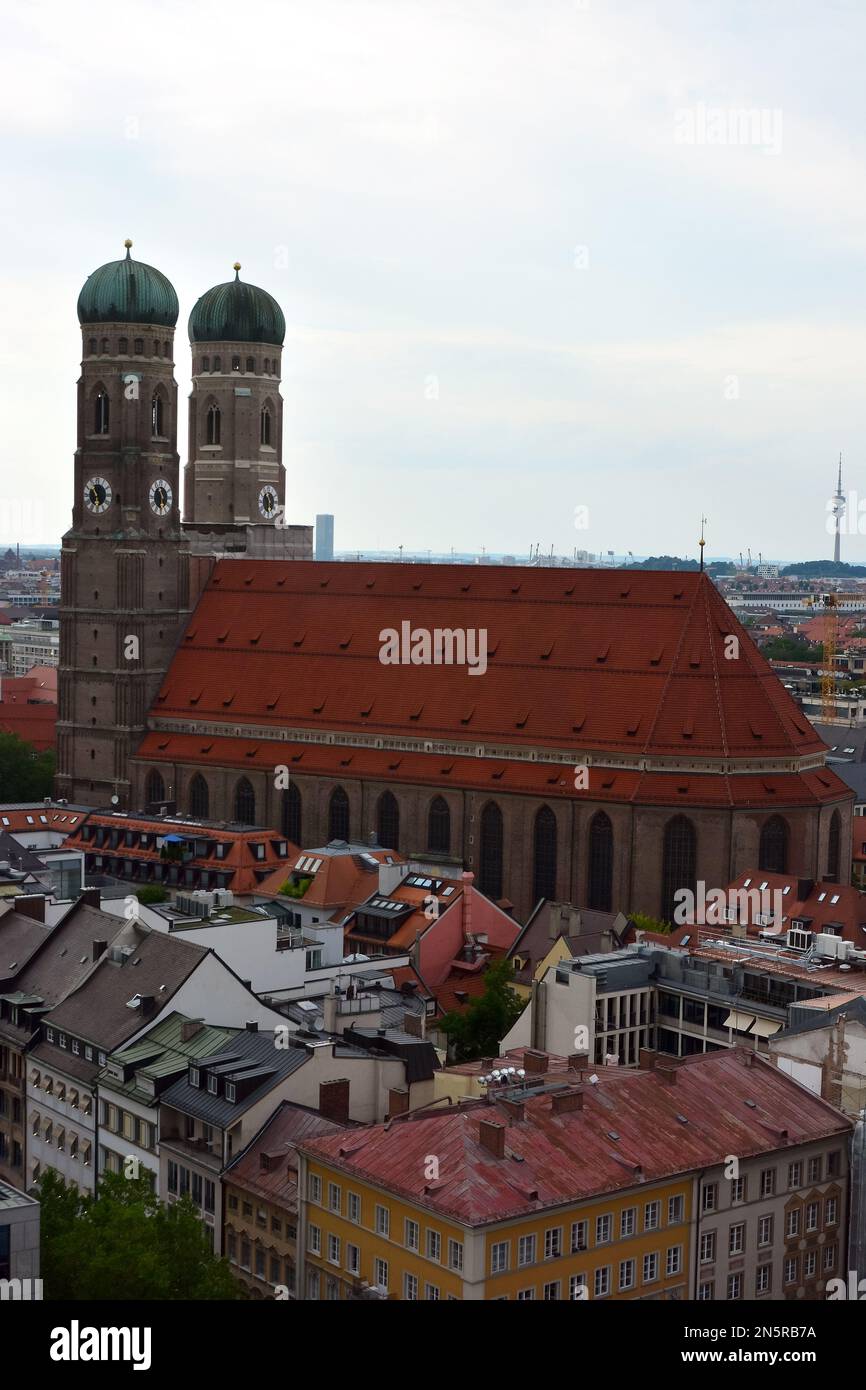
x=235 y=477
x=124 y=571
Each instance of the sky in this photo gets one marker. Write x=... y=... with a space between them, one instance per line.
x=568 y=272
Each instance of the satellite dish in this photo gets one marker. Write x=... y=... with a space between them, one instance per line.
x=114 y=800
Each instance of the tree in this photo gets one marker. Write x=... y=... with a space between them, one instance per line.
x=643 y=922
x=151 y=893
x=124 y=1244
x=478 y=1030
x=25 y=775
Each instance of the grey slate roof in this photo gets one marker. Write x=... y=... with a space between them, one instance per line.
x=246 y=1050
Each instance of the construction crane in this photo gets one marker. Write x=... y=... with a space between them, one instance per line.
x=829 y=605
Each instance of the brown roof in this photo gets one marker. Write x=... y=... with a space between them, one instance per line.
x=277 y=1143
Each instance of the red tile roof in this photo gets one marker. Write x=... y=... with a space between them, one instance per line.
x=612 y=661
x=34 y=723
x=630 y=1120
x=825 y=904
x=277 y=1179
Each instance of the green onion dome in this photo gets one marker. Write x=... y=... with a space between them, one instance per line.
x=128 y=291
x=237 y=313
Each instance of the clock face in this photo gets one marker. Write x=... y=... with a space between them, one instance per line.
x=97 y=495
x=160 y=497
x=268 y=500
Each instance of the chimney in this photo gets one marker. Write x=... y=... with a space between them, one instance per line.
x=97 y=948
x=492 y=1136
x=564 y=1102
x=334 y=1099
x=146 y=1003
x=252 y=1026
x=390 y=875
x=398 y=1101
x=468 y=879
x=31 y=906
x=329 y=1012
x=647 y=1058
x=666 y=1073
x=578 y=1060
x=515 y=1108
x=91 y=896
x=414 y=1024
x=190 y=1027
x=748 y=1057
x=535 y=1063
x=804 y=888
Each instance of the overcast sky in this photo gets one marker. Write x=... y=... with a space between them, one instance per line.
x=521 y=273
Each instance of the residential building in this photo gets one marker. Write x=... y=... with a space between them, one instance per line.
x=19 y=1242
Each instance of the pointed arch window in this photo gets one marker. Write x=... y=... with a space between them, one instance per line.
x=338 y=815
x=439 y=826
x=292 y=809
x=490 y=876
x=199 y=797
x=266 y=426
x=600 y=885
x=138 y=346
x=251 y=364
x=834 y=845
x=101 y=413
x=773 y=851
x=267 y=364
x=544 y=855
x=154 y=787
x=157 y=416
x=388 y=821
x=679 y=858
x=123 y=346
x=245 y=802
x=214 y=425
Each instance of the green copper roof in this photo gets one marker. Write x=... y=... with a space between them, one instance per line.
x=237 y=313
x=128 y=291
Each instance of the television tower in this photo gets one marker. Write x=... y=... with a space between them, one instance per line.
x=838 y=510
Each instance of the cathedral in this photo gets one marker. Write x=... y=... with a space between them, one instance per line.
x=624 y=740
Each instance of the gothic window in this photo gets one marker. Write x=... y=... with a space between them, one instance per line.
x=165 y=351
x=123 y=346
x=490 y=877
x=266 y=426
x=101 y=413
x=236 y=364
x=105 y=345
x=156 y=347
x=154 y=787
x=205 y=364
x=213 y=424
x=600 y=862
x=291 y=814
x=544 y=859
x=157 y=414
x=338 y=815
x=439 y=826
x=139 y=346
x=678 y=863
x=833 y=847
x=199 y=797
x=245 y=803
x=93 y=347
x=388 y=821
x=267 y=364
x=251 y=364
x=773 y=851
x=217 y=364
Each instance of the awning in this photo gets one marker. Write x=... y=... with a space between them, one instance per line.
x=741 y=1022
x=765 y=1027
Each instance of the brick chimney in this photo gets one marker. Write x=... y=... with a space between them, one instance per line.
x=578 y=1060
x=190 y=1027
x=515 y=1108
x=32 y=906
x=564 y=1102
x=414 y=1024
x=647 y=1058
x=666 y=1073
x=535 y=1063
x=398 y=1101
x=97 y=949
x=334 y=1099
x=492 y=1136
x=91 y=896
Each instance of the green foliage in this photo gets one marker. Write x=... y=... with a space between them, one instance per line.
x=644 y=922
x=478 y=1030
x=290 y=889
x=662 y=562
x=151 y=893
x=818 y=568
x=25 y=775
x=125 y=1244
x=790 y=649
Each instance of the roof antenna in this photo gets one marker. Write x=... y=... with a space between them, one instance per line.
x=702 y=542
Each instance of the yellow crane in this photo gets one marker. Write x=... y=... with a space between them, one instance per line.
x=829 y=604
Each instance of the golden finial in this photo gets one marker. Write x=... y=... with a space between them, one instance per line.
x=702 y=542
x=127 y=243
x=236 y=267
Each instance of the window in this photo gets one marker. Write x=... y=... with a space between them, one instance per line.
x=431 y=1291
x=214 y=429
x=383 y=1221
x=499 y=1253
x=830 y=1254
x=199 y=797
x=833 y=847
x=795 y=1175
x=831 y=1208
x=792 y=1223
x=603 y=1229
x=550 y=1292
x=792 y=1269
x=812 y=1210
x=577 y=1290
x=291 y=814
x=579 y=1236
x=706 y=1293
x=139 y=346
x=834 y=1163
x=388 y=821
x=737 y=1238
x=412 y=1234
x=678 y=862
x=765 y=1230
x=600 y=886
x=738 y=1190
x=434 y=1246
x=526 y=1250
x=354 y=1205
x=652 y=1216
x=709 y=1196
x=314 y=1188
x=338 y=815
x=544 y=855
x=334 y=1249
x=439 y=826
x=735 y=1286
x=773 y=850
x=768 y=1182
x=626 y=1274
x=810 y=1264
x=236 y=364
x=552 y=1242
x=335 y=1202
x=676 y=1208
x=763 y=1279
x=101 y=413
x=708 y=1247
x=154 y=787
x=455 y=1254
x=205 y=364
x=314 y=1240
x=674 y=1260
x=815 y=1168
x=251 y=364
x=381 y=1274
x=525 y=1295
x=602 y=1281
x=265 y=427
x=353 y=1259
x=123 y=346
x=650 y=1267
x=217 y=364
x=490 y=876
x=410 y=1287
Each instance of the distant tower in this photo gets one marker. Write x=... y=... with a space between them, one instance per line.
x=838 y=510
x=324 y=536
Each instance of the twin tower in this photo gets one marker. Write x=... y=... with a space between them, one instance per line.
x=132 y=564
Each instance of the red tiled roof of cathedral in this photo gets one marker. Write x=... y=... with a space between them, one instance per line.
x=611 y=661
